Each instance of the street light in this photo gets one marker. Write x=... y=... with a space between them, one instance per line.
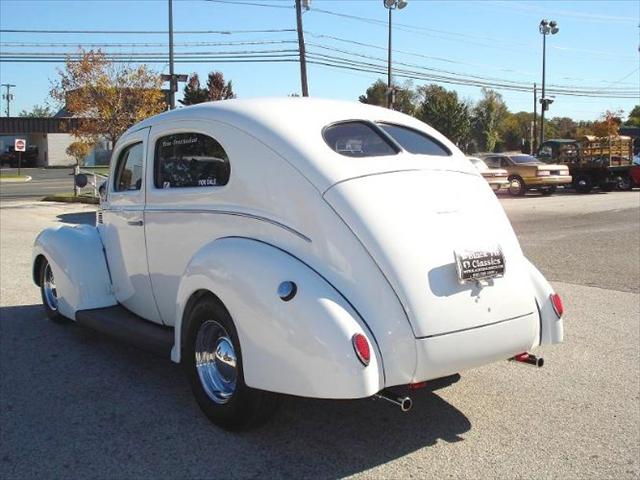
x=391 y=5
x=546 y=27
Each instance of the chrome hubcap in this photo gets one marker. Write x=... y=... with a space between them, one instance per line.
x=216 y=362
x=50 y=292
x=514 y=186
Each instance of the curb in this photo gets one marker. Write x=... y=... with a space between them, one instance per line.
x=16 y=180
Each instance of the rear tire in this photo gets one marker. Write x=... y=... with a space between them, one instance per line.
x=516 y=188
x=49 y=293
x=212 y=359
x=624 y=183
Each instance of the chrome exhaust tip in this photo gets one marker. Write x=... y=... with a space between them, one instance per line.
x=529 y=359
x=405 y=403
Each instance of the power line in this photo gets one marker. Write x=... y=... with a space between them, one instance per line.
x=147 y=32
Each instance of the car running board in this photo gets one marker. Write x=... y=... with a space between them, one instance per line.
x=121 y=324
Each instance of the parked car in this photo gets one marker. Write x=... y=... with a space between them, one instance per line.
x=529 y=173
x=12 y=159
x=496 y=177
x=335 y=250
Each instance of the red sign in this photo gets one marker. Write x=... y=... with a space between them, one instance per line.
x=20 y=145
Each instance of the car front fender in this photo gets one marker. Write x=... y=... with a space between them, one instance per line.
x=302 y=346
x=77 y=261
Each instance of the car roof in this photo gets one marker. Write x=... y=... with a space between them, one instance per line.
x=292 y=127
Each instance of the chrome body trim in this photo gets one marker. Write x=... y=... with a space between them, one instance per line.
x=223 y=212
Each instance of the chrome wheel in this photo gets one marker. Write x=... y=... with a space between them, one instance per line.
x=49 y=289
x=216 y=361
x=516 y=187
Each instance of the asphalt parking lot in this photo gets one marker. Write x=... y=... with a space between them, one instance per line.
x=76 y=405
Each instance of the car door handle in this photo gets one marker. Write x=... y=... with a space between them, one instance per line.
x=135 y=223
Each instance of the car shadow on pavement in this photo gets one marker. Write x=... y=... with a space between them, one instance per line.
x=78 y=218
x=73 y=401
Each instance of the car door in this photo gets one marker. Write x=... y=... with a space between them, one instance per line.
x=123 y=229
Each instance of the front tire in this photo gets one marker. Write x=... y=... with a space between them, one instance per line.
x=583 y=184
x=212 y=359
x=517 y=188
x=49 y=293
x=624 y=183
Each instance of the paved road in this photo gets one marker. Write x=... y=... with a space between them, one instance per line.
x=75 y=405
x=44 y=182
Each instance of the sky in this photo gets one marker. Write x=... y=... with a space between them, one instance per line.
x=490 y=42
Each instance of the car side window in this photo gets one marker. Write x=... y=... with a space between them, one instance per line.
x=190 y=160
x=493 y=162
x=505 y=162
x=128 y=175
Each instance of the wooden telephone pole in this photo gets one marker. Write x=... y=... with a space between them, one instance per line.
x=303 y=54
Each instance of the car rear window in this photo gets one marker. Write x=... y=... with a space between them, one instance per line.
x=357 y=139
x=414 y=141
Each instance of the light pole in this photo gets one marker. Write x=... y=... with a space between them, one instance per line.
x=546 y=28
x=391 y=5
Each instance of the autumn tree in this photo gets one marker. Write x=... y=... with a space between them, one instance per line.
x=216 y=89
x=608 y=125
x=106 y=98
x=405 y=97
x=444 y=111
x=79 y=151
x=488 y=117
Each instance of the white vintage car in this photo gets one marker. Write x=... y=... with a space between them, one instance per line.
x=299 y=246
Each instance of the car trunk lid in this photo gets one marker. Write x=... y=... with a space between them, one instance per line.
x=413 y=223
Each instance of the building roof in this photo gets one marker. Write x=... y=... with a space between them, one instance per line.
x=25 y=125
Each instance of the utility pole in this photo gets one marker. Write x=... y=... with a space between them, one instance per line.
x=173 y=85
x=535 y=118
x=301 y=49
x=544 y=98
x=8 y=97
x=389 y=87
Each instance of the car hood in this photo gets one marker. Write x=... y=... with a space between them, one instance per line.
x=413 y=222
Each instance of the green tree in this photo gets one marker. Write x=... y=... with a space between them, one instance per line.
x=216 y=89
x=193 y=93
x=489 y=115
x=564 y=127
x=444 y=111
x=38 y=111
x=405 y=99
x=515 y=133
x=634 y=117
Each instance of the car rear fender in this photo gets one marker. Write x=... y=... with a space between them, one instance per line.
x=302 y=346
x=551 y=326
x=79 y=267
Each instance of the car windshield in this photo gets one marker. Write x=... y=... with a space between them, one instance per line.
x=524 y=159
x=479 y=164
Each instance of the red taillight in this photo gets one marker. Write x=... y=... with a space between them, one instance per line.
x=556 y=301
x=361 y=346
